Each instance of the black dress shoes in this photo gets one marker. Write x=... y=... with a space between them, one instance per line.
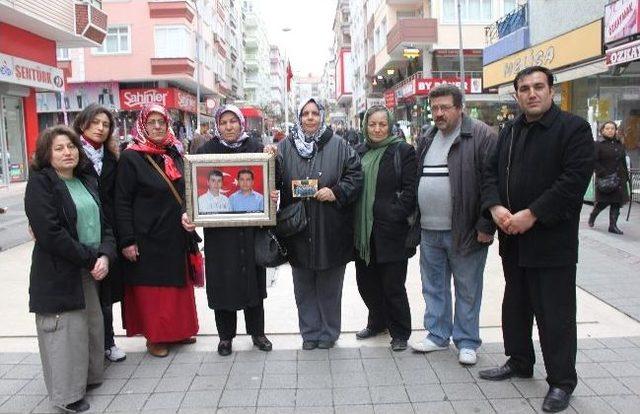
x=398 y=345
x=326 y=344
x=79 y=406
x=368 y=333
x=502 y=373
x=262 y=343
x=309 y=345
x=224 y=348
x=556 y=400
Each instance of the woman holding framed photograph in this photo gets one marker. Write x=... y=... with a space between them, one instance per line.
x=234 y=280
x=313 y=156
x=158 y=300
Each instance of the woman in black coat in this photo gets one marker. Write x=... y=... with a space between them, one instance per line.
x=381 y=227
x=234 y=280
x=159 y=301
x=95 y=125
x=73 y=247
x=610 y=159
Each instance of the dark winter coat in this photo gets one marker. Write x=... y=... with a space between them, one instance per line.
x=610 y=159
x=468 y=156
x=111 y=288
x=395 y=200
x=147 y=214
x=550 y=180
x=58 y=258
x=327 y=241
x=234 y=281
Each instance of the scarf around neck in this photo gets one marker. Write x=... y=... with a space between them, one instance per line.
x=142 y=142
x=364 y=206
x=306 y=144
x=94 y=154
x=242 y=135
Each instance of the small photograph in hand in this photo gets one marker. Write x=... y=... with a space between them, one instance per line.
x=304 y=188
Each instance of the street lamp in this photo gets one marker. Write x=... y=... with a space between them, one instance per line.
x=461 y=51
x=286 y=79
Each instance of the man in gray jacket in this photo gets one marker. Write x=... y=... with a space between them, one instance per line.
x=454 y=236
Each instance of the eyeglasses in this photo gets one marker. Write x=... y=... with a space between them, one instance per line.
x=156 y=122
x=443 y=108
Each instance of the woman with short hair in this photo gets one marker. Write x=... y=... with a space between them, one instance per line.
x=73 y=247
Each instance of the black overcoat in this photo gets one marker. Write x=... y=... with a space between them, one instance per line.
x=234 y=281
x=327 y=241
x=58 y=258
x=395 y=200
x=147 y=214
x=554 y=173
x=610 y=159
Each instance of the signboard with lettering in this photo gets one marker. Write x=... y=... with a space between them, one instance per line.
x=77 y=96
x=471 y=85
x=576 y=46
x=390 y=99
x=621 y=19
x=29 y=73
x=375 y=102
x=136 y=99
x=622 y=54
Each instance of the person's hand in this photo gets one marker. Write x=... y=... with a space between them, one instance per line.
x=187 y=224
x=484 y=237
x=500 y=216
x=101 y=268
x=520 y=222
x=270 y=149
x=131 y=253
x=274 y=195
x=325 y=194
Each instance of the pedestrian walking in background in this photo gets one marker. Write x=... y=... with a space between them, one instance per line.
x=381 y=226
x=533 y=189
x=234 y=280
x=455 y=237
x=94 y=125
x=199 y=138
x=612 y=176
x=318 y=254
x=73 y=248
x=158 y=300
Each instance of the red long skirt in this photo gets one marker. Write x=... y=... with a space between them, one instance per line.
x=160 y=313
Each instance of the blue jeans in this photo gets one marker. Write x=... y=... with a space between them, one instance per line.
x=438 y=261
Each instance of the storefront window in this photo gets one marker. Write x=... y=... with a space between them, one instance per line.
x=13 y=162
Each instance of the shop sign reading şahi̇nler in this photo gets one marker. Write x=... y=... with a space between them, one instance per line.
x=29 y=73
x=136 y=99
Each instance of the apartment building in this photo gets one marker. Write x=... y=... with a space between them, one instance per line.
x=30 y=31
x=257 y=68
x=278 y=83
x=304 y=86
x=342 y=58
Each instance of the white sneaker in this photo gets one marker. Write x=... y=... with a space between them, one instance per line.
x=115 y=354
x=426 y=345
x=467 y=356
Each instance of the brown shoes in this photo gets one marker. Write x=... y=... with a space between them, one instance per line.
x=157 y=350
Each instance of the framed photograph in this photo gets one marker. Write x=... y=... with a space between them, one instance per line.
x=230 y=190
x=304 y=188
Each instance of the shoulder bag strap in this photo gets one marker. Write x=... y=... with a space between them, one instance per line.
x=169 y=183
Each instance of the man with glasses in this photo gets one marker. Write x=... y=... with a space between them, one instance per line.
x=455 y=237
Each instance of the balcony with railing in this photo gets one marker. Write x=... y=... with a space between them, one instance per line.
x=416 y=31
x=507 y=35
x=171 y=9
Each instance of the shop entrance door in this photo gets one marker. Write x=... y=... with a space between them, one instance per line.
x=13 y=159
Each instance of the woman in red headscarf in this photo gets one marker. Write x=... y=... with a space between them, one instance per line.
x=159 y=301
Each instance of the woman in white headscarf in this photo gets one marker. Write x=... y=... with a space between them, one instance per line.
x=319 y=253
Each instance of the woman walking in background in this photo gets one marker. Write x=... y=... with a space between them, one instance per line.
x=612 y=176
x=381 y=227
x=95 y=126
x=158 y=300
x=73 y=247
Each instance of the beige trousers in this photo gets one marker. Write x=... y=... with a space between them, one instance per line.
x=72 y=347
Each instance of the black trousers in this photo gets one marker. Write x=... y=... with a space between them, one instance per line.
x=381 y=286
x=226 y=322
x=549 y=294
x=107 y=317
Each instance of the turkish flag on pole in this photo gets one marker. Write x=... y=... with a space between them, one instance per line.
x=289 y=76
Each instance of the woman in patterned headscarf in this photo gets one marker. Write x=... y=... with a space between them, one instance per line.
x=234 y=281
x=159 y=301
x=314 y=155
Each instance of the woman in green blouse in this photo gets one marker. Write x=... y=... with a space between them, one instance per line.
x=72 y=251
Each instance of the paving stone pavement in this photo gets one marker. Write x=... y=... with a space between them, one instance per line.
x=341 y=380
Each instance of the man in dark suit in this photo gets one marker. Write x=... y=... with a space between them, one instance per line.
x=533 y=190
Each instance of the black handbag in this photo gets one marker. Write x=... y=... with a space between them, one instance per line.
x=291 y=220
x=268 y=250
x=608 y=183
